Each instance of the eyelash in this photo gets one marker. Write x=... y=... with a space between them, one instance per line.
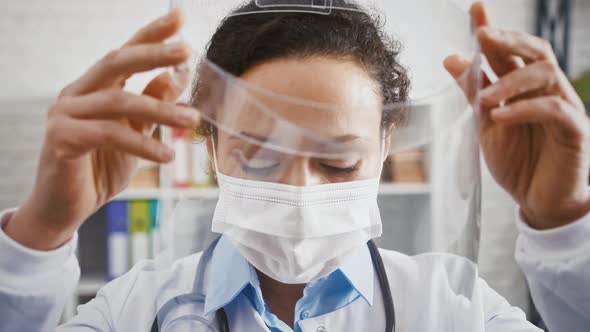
x=259 y=170
x=340 y=170
x=264 y=171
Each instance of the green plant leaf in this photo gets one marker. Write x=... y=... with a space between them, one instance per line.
x=582 y=86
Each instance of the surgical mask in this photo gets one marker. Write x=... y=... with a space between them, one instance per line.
x=297 y=234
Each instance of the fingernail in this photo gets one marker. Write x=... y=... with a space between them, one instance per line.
x=187 y=116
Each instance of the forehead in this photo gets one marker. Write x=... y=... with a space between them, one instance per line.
x=326 y=96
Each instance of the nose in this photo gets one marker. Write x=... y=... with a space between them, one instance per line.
x=300 y=173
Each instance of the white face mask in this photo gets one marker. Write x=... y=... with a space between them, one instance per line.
x=297 y=234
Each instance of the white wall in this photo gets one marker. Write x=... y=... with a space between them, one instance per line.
x=46 y=44
x=43 y=46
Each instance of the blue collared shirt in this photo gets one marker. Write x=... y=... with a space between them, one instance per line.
x=234 y=275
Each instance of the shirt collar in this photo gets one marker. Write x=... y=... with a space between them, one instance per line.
x=232 y=273
x=359 y=271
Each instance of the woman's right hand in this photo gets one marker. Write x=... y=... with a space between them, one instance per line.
x=96 y=133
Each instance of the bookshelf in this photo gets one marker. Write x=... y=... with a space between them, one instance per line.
x=167 y=194
x=210 y=193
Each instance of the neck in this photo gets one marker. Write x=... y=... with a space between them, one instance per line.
x=280 y=298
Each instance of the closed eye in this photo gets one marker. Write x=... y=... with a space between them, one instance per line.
x=260 y=170
x=339 y=170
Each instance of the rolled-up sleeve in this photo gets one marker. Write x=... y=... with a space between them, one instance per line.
x=34 y=285
x=556 y=263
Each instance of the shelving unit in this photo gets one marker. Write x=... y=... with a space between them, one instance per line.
x=209 y=193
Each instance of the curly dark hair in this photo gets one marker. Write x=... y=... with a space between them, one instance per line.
x=244 y=41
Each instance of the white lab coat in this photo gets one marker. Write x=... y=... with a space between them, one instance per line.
x=556 y=264
x=427 y=290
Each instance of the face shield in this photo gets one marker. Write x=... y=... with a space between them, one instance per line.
x=319 y=143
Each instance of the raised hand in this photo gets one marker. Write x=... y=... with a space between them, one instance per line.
x=534 y=132
x=96 y=133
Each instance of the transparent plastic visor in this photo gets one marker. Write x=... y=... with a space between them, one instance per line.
x=312 y=155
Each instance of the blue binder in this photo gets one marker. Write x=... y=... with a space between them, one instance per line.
x=117 y=239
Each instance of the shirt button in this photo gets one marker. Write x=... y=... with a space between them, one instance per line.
x=305 y=314
x=322 y=329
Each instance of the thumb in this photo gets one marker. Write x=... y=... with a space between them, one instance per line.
x=456 y=65
x=163 y=87
x=479 y=14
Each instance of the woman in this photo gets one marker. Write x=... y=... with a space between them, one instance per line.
x=96 y=132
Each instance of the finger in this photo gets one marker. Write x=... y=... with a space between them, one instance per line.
x=550 y=110
x=126 y=61
x=457 y=65
x=160 y=29
x=80 y=136
x=479 y=14
x=163 y=87
x=118 y=104
x=499 y=62
x=538 y=78
x=461 y=69
x=516 y=43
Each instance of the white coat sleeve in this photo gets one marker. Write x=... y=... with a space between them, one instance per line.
x=500 y=316
x=35 y=285
x=557 y=267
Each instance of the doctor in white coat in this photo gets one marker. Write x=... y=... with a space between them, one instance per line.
x=536 y=141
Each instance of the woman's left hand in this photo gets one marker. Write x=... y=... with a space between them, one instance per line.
x=534 y=131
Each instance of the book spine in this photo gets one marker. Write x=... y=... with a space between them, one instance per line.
x=117 y=239
x=139 y=218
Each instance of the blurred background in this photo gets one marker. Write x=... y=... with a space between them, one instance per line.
x=45 y=45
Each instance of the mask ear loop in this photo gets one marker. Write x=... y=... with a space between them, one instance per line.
x=213 y=148
x=384 y=156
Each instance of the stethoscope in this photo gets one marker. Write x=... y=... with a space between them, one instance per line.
x=221 y=316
